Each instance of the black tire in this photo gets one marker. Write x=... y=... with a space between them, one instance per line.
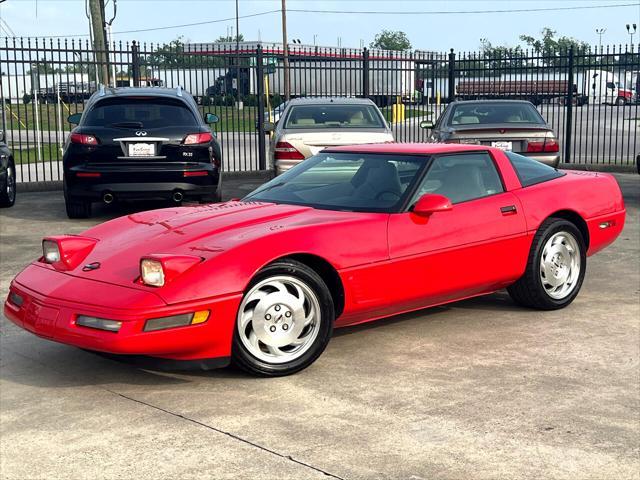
x=243 y=358
x=76 y=207
x=621 y=101
x=8 y=192
x=529 y=291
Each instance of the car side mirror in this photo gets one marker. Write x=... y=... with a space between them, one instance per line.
x=426 y=124
x=74 y=118
x=211 y=118
x=269 y=126
x=431 y=203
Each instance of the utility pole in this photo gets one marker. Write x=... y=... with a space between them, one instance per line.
x=96 y=8
x=285 y=52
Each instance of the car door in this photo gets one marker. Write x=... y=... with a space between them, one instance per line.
x=478 y=246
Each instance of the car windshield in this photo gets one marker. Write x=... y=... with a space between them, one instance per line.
x=345 y=181
x=140 y=112
x=494 y=113
x=334 y=116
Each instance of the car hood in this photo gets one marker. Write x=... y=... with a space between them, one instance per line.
x=310 y=142
x=205 y=231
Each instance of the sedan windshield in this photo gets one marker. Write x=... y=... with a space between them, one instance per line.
x=494 y=113
x=345 y=181
x=334 y=116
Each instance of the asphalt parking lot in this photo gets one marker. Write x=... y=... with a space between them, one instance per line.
x=478 y=389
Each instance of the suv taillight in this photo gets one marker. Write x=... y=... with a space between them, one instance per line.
x=286 y=151
x=547 y=145
x=196 y=138
x=83 y=139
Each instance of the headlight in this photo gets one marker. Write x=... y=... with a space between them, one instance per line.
x=99 y=323
x=151 y=272
x=50 y=251
x=176 y=321
x=159 y=269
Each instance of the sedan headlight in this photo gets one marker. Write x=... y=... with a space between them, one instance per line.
x=152 y=272
x=50 y=251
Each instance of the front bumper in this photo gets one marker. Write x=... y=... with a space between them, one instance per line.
x=51 y=302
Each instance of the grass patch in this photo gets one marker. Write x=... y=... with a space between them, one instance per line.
x=49 y=153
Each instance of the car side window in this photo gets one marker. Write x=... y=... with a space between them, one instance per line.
x=461 y=177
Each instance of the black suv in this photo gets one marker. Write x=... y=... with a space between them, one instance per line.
x=140 y=143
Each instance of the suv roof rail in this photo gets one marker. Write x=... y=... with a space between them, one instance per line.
x=179 y=90
x=101 y=91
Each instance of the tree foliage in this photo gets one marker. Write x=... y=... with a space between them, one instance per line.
x=391 y=40
x=173 y=55
x=230 y=38
x=548 y=42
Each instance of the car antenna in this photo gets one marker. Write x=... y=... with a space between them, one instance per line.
x=102 y=92
x=179 y=90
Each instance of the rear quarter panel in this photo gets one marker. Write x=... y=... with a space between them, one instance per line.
x=595 y=197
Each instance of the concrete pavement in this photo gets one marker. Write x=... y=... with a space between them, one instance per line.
x=478 y=389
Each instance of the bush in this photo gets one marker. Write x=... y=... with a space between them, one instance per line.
x=250 y=101
x=229 y=100
x=26 y=98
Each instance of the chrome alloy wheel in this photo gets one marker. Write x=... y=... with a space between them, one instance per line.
x=279 y=319
x=560 y=265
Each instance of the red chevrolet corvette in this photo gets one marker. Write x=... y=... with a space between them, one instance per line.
x=350 y=235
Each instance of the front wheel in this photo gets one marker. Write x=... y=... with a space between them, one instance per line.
x=284 y=322
x=555 y=268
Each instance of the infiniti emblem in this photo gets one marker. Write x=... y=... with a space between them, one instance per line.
x=141 y=133
x=91 y=266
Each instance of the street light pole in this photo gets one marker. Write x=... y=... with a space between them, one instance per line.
x=631 y=30
x=600 y=32
x=285 y=52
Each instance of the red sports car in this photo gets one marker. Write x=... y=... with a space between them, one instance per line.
x=350 y=235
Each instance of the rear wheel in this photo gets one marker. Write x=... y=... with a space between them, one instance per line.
x=555 y=269
x=8 y=192
x=76 y=207
x=621 y=101
x=284 y=322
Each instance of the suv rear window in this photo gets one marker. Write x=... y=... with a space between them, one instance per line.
x=331 y=116
x=494 y=113
x=140 y=112
x=530 y=171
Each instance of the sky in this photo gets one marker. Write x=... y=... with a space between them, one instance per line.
x=461 y=30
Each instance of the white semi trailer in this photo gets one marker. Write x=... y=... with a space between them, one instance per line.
x=315 y=71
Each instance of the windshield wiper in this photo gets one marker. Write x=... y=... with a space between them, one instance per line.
x=127 y=125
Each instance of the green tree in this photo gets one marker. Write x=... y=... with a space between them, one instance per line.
x=548 y=42
x=173 y=55
x=391 y=40
x=229 y=38
x=43 y=67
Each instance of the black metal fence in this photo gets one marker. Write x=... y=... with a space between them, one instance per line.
x=590 y=97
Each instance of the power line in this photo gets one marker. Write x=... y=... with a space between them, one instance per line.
x=167 y=27
x=358 y=12
x=460 y=12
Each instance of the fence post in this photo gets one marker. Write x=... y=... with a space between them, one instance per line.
x=135 y=64
x=452 y=77
x=262 y=153
x=569 y=113
x=365 y=73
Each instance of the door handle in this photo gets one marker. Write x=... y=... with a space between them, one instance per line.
x=509 y=210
